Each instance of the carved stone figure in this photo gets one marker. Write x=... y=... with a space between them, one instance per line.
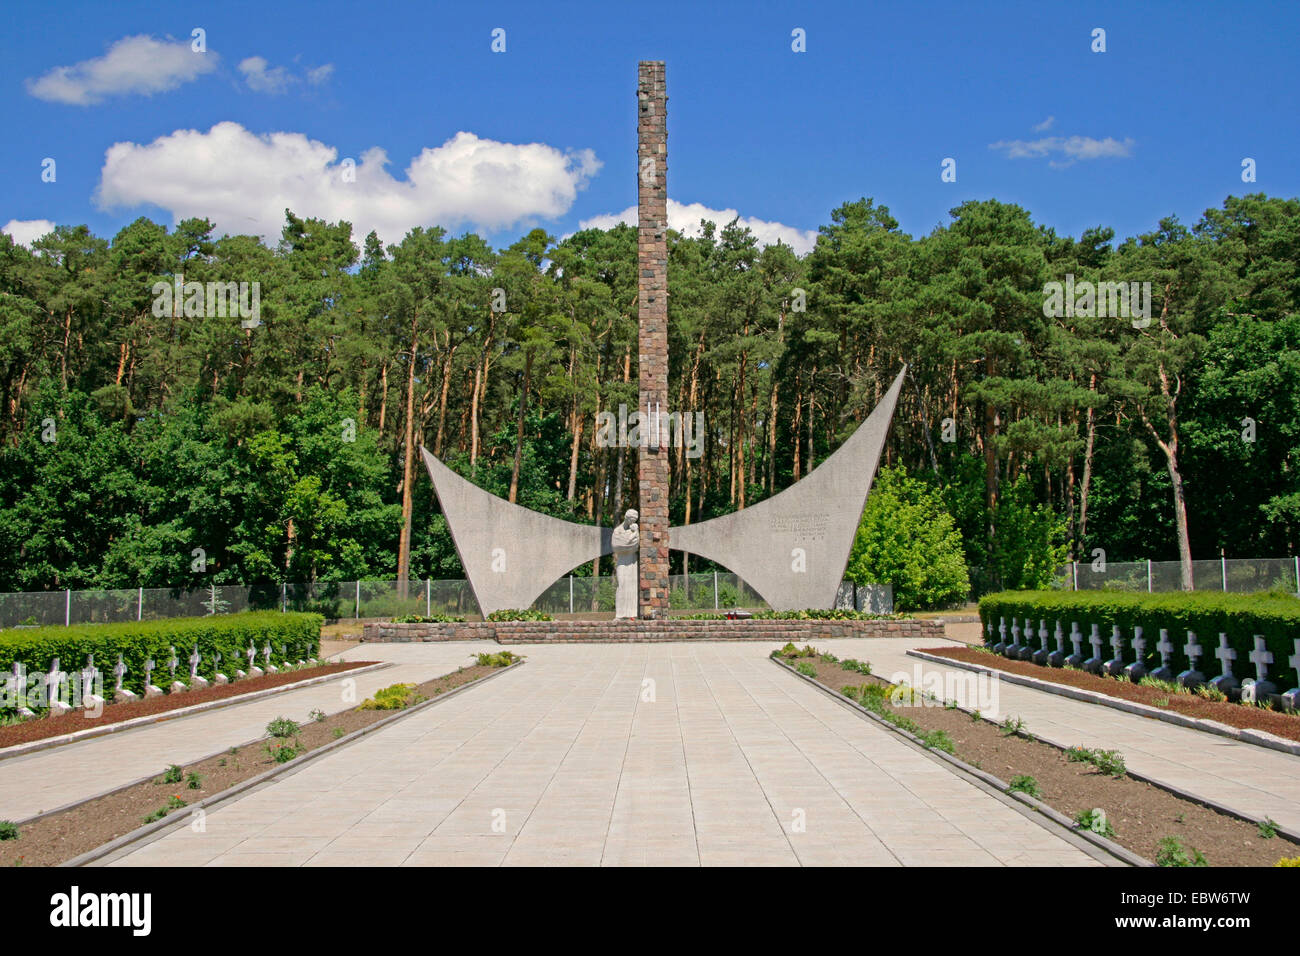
x=627 y=543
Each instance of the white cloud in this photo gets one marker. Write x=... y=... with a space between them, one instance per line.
x=685 y=218
x=318 y=75
x=1045 y=125
x=136 y=64
x=243 y=182
x=27 y=231
x=261 y=77
x=262 y=80
x=1071 y=148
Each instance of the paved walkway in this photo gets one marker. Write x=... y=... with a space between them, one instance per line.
x=611 y=754
x=47 y=779
x=1248 y=778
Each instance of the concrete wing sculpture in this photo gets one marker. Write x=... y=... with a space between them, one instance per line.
x=510 y=554
x=793 y=548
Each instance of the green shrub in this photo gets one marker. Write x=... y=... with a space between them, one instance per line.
x=427 y=619
x=1109 y=762
x=194 y=781
x=1267 y=828
x=908 y=538
x=395 y=697
x=1023 y=783
x=1207 y=613
x=282 y=727
x=862 y=667
x=1096 y=821
x=137 y=641
x=499 y=659
x=1288 y=861
x=514 y=614
x=821 y=614
x=8 y=830
x=938 y=740
x=172 y=774
x=806 y=669
x=1170 y=851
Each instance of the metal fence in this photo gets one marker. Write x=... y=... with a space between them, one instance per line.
x=707 y=591
x=1236 y=575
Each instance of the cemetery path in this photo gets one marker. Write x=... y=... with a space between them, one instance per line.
x=1250 y=779
x=46 y=779
x=609 y=754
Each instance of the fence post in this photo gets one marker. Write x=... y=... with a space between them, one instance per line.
x=356 y=607
x=570 y=593
x=715 y=590
x=1296 y=559
x=67 y=607
x=1074 y=571
x=139 y=604
x=1223 y=567
x=1148 y=575
x=284 y=597
x=428 y=597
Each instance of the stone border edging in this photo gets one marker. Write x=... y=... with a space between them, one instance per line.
x=19 y=750
x=150 y=829
x=1259 y=738
x=1194 y=724
x=1054 y=819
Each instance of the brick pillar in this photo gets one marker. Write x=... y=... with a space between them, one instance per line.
x=652 y=337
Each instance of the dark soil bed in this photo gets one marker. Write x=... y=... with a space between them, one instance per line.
x=61 y=836
x=1224 y=712
x=43 y=727
x=1141 y=814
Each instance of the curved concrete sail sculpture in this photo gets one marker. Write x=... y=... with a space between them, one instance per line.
x=793 y=548
x=510 y=554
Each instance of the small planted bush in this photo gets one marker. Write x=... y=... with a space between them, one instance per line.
x=514 y=614
x=194 y=781
x=395 y=697
x=1023 y=783
x=849 y=664
x=1096 y=821
x=806 y=669
x=428 y=619
x=172 y=774
x=1109 y=762
x=499 y=659
x=8 y=830
x=282 y=727
x=1171 y=851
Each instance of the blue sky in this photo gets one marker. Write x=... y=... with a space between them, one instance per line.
x=1157 y=124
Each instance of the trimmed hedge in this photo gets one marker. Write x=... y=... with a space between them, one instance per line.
x=1207 y=613
x=137 y=641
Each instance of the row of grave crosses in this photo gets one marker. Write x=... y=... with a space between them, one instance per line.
x=1257 y=689
x=59 y=690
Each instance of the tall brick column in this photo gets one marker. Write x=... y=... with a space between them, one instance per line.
x=652 y=338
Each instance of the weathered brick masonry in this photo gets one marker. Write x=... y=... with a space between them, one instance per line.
x=566 y=632
x=652 y=337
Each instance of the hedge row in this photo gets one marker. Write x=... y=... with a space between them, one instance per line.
x=292 y=637
x=1206 y=613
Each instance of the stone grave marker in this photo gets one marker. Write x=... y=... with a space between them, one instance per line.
x=150 y=688
x=1057 y=657
x=1165 y=647
x=1076 y=641
x=1225 y=682
x=1138 y=669
x=1115 y=666
x=16 y=690
x=176 y=686
x=55 y=681
x=1259 y=689
x=1291 y=699
x=1192 y=677
x=195 y=680
x=1093 y=664
x=1040 y=656
x=120 y=692
x=218 y=677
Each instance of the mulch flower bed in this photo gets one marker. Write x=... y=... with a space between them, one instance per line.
x=1140 y=814
x=42 y=727
x=61 y=836
x=1244 y=717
